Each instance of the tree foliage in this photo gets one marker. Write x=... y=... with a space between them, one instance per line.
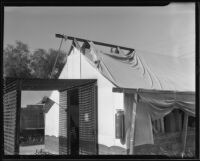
x=17 y=60
x=42 y=62
x=20 y=62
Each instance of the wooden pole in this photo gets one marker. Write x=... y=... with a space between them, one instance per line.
x=132 y=131
x=95 y=42
x=162 y=125
x=54 y=65
x=80 y=65
x=18 y=113
x=184 y=132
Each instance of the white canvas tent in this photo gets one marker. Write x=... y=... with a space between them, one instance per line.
x=162 y=83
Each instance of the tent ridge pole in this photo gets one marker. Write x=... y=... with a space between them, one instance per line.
x=95 y=42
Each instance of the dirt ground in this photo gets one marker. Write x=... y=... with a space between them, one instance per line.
x=30 y=150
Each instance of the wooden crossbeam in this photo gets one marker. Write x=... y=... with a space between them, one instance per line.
x=95 y=42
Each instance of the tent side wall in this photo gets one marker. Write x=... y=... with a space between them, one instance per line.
x=52 y=117
x=170 y=140
x=52 y=126
x=78 y=67
x=108 y=102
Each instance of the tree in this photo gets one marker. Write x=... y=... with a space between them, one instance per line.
x=17 y=60
x=20 y=62
x=59 y=64
x=42 y=62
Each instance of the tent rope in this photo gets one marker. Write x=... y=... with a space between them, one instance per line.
x=65 y=38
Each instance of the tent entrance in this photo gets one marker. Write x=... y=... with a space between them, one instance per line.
x=78 y=123
x=73 y=122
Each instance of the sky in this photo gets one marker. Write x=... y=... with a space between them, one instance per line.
x=166 y=30
x=32 y=97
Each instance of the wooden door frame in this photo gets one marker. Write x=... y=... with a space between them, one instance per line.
x=96 y=115
x=35 y=84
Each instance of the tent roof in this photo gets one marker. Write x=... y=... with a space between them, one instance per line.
x=145 y=70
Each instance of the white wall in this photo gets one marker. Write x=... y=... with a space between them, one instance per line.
x=70 y=70
x=105 y=102
x=52 y=117
x=108 y=101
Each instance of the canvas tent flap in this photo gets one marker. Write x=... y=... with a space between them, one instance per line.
x=138 y=69
x=143 y=126
x=160 y=105
x=153 y=106
x=97 y=62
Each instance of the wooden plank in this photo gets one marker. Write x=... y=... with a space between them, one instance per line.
x=63 y=124
x=9 y=121
x=162 y=125
x=18 y=110
x=52 y=84
x=132 y=131
x=184 y=133
x=178 y=93
x=87 y=131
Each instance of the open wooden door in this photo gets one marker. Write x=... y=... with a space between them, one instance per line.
x=73 y=121
x=78 y=123
x=88 y=120
x=11 y=115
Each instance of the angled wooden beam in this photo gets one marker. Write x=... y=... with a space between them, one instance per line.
x=95 y=42
x=184 y=133
x=123 y=90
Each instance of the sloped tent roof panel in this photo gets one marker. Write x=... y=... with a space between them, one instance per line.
x=146 y=70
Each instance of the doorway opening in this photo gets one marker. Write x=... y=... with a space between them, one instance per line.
x=73 y=115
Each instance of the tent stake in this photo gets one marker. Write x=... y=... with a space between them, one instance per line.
x=132 y=131
x=184 y=132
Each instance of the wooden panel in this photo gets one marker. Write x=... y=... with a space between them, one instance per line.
x=45 y=84
x=10 y=105
x=88 y=120
x=9 y=85
x=11 y=111
x=87 y=130
x=63 y=144
x=52 y=84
